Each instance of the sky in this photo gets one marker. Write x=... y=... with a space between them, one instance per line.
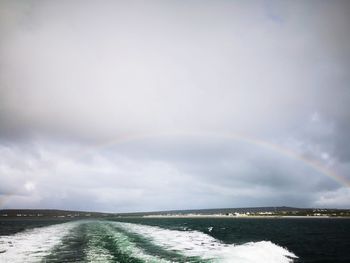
x=123 y=106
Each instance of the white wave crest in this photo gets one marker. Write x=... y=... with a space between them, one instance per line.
x=32 y=245
x=195 y=243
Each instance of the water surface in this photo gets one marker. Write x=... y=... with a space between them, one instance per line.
x=176 y=240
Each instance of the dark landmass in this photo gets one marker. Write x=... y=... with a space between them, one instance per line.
x=50 y=213
x=223 y=212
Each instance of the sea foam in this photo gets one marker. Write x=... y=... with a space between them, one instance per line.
x=32 y=245
x=198 y=244
x=96 y=252
x=36 y=244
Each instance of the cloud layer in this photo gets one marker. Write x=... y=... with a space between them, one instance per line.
x=100 y=101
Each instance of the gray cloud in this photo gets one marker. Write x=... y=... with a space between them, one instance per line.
x=76 y=76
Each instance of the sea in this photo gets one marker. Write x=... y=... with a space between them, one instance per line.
x=176 y=240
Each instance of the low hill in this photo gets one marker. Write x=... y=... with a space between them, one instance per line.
x=48 y=213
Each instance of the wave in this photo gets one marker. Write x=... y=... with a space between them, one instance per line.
x=198 y=244
x=34 y=244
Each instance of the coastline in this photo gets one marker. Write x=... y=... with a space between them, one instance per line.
x=247 y=217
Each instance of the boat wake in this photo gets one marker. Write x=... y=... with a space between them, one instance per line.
x=198 y=244
x=106 y=241
x=33 y=245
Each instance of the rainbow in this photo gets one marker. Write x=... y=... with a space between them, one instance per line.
x=311 y=163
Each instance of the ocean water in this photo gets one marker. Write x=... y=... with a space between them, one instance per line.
x=176 y=240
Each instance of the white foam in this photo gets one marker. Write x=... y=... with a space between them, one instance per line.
x=32 y=245
x=95 y=253
x=195 y=243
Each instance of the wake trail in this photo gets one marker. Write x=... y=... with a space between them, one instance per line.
x=198 y=244
x=107 y=241
x=34 y=244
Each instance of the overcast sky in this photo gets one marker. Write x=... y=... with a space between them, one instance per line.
x=152 y=105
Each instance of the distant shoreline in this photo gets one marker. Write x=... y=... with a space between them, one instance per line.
x=231 y=213
x=246 y=217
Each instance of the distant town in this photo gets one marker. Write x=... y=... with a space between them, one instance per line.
x=252 y=212
x=310 y=213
